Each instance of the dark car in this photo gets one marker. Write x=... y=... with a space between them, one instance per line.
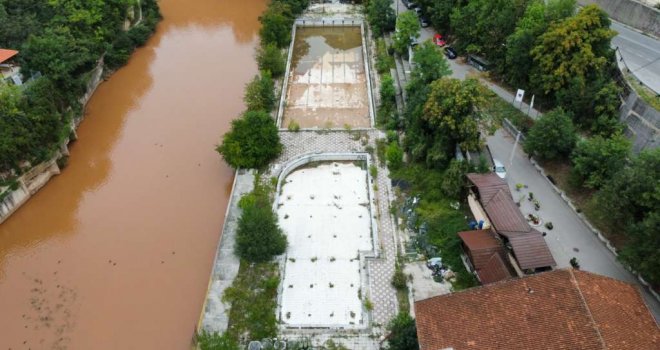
x=411 y=5
x=424 y=22
x=450 y=53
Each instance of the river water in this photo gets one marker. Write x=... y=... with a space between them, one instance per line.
x=116 y=252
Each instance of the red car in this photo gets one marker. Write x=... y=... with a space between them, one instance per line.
x=437 y=39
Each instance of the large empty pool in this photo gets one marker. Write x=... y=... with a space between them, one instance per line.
x=327 y=86
x=324 y=210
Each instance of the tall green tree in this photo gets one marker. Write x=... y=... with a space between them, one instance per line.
x=381 y=17
x=271 y=59
x=407 y=29
x=553 y=136
x=259 y=93
x=630 y=203
x=403 y=333
x=430 y=64
x=276 y=24
x=252 y=142
x=576 y=48
x=597 y=159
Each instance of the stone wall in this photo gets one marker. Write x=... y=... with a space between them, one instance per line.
x=630 y=12
x=642 y=123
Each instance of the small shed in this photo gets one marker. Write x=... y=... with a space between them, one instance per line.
x=486 y=255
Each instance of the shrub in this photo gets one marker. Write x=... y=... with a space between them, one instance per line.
x=399 y=278
x=270 y=58
x=403 y=333
x=383 y=59
x=258 y=237
x=394 y=155
x=259 y=94
x=215 y=341
x=252 y=142
x=139 y=34
x=381 y=17
x=293 y=126
x=552 y=136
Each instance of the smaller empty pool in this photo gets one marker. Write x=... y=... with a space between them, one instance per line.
x=324 y=210
x=327 y=85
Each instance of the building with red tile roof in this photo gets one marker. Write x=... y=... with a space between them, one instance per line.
x=561 y=309
x=486 y=255
x=6 y=54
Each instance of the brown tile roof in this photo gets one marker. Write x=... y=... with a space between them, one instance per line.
x=529 y=247
x=561 y=309
x=530 y=250
x=494 y=270
x=6 y=54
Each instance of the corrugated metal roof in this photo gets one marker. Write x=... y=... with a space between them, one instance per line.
x=6 y=54
x=505 y=215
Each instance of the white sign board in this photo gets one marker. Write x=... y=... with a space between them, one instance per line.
x=519 y=95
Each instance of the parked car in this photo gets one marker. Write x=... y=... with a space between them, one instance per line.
x=479 y=62
x=424 y=22
x=406 y=3
x=411 y=5
x=499 y=169
x=450 y=52
x=438 y=40
x=418 y=11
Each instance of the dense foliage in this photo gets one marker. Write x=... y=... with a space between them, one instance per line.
x=403 y=333
x=258 y=237
x=252 y=142
x=407 y=29
x=553 y=136
x=62 y=40
x=597 y=159
x=271 y=59
x=381 y=17
x=215 y=341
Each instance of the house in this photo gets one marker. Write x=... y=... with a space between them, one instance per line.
x=491 y=195
x=486 y=255
x=9 y=70
x=560 y=309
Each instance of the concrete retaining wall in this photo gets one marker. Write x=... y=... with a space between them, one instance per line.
x=632 y=13
x=642 y=123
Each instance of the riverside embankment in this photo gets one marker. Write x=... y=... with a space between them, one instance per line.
x=115 y=252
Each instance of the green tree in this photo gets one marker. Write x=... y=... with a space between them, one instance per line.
x=270 y=58
x=642 y=249
x=552 y=136
x=381 y=17
x=259 y=237
x=439 y=12
x=451 y=110
x=387 y=112
x=403 y=333
x=407 y=29
x=259 y=93
x=252 y=142
x=576 y=48
x=276 y=24
x=597 y=159
x=454 y=181
x=430 y=63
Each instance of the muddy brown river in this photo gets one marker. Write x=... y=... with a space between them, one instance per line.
x=116 y=252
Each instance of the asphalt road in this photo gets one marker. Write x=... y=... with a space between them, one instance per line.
x=640 y=53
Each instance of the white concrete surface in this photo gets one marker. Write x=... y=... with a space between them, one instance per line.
x=324 y=211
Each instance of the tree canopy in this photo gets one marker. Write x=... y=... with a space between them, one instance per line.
x=407 y=29
x=381 y=17
x=252 y=142
x=597 y=159
x=553 y=136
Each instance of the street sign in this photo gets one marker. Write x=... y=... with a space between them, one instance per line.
x=519 y=95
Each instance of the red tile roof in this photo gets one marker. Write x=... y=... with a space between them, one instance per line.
x=561 y=309
x=494 y=270
x=6 y=54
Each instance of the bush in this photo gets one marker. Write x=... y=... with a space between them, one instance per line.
x=276 y=24
x=252 y=142
x=403 y=333
x=399 y=278
x=259 y=94
x=597 y=159
x=381 y=17
x=552 y=136
x=394 y=155
x=258 y=237
x=214 y=341
x=270 y=58
x=383 y=59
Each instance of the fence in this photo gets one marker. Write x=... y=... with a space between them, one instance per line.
x=511 y=129
x=333 y=22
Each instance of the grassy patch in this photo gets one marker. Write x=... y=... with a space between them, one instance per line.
x=645 y=93
x=499 y=109
x=253 y=298
x=444 y=222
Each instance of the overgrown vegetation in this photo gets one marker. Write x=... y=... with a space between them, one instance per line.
x=553 y=136
x=403 y=333
x=62 y=41
x=259 y=237
x=381 y=17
